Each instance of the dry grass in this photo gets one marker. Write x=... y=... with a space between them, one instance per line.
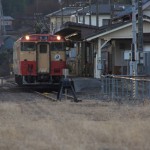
x=44 y=125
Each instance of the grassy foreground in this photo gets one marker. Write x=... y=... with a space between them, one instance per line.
x=45 y=125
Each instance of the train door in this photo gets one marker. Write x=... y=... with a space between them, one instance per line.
x=43 y=58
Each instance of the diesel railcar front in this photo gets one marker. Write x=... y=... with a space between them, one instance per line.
x=39 y=58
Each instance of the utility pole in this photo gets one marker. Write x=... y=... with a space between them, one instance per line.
x=133 y=63
x=61 y=5
x=140 y=36
x=140 y=26
x=2 y=25
x=37 y=6
x=76 y=12
x=137 y=49
x=90 y=13
x=97 y=13
x=83 y=12
x=111 y=3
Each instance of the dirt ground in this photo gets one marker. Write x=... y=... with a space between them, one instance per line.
x=31 y=122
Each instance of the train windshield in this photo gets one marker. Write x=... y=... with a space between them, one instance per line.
x=57 y=46
x=28 y=46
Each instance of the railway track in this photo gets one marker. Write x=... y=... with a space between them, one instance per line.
x=44 y=91
x=50 y=96
x=53 y=96
x=51 y=93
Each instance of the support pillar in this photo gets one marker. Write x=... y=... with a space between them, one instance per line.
x=99 y=60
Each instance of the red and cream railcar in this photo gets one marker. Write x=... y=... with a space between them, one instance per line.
x=39 y=58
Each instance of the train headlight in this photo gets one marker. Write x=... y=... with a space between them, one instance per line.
x=58 y=37
x=27 y=37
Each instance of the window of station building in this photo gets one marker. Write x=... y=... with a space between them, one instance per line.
x=80 y=19
x=106 y=21
x=28 y=46
x=57 y=46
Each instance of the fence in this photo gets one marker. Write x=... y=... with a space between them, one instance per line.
x=118 y=87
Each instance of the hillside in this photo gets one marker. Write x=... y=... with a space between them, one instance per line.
x=17 y=8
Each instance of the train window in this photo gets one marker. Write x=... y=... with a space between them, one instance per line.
x=43 y=48
x=57 y=46
x=28 y=46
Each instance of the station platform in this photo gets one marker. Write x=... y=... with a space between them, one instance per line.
x=81 y=83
